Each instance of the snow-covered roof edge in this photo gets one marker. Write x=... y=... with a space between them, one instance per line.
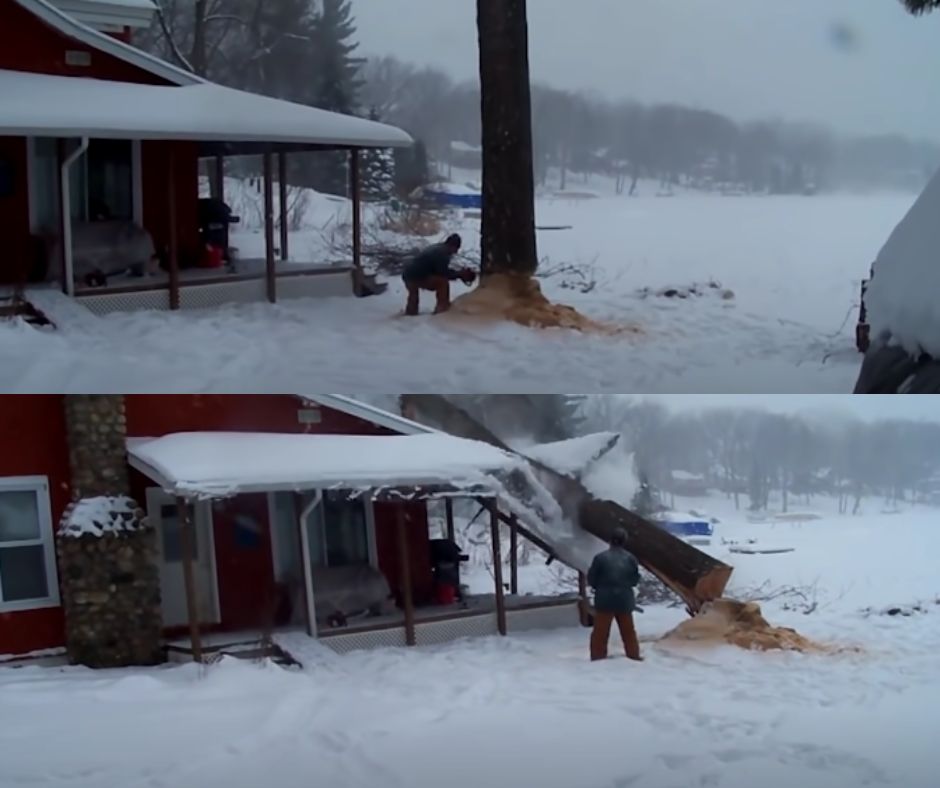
x=211 y=464
x=110 y=14
x=71 y=27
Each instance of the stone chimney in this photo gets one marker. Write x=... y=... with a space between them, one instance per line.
x=109 y=576
x=97 y=432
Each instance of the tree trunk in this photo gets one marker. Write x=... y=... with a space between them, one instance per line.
x=508 y=225
x=693 y=575
x=198 y=58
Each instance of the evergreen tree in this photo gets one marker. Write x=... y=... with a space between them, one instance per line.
x=335 y=84
x=378 y=170
x=411 y=168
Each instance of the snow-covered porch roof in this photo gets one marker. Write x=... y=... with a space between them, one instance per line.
x=222 y=464
x=43 y=105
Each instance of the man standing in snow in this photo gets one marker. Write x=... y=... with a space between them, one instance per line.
x=430 y=270
x=613 y=576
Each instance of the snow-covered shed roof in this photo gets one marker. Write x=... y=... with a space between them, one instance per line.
x=902 y=296
x=218 y=464
x=53 y=106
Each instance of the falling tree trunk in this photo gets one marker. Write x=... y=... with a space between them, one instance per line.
x=508 y=226
x=694 y=576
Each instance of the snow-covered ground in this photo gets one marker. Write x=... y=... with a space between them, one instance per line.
x=793 y=263
x=532 y=710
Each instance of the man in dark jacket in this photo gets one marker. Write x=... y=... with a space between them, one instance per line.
x=613 y=576
x=430 y=270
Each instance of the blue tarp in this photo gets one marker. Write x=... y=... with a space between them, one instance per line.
x=688 y=527
x=455 y=200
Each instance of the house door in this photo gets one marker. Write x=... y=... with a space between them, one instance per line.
x=248 y=597
x=163 y=514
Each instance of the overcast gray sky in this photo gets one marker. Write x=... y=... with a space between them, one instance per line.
x=918 y=408
x=857 y=65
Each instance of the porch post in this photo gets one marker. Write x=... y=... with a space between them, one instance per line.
x=174 y=242
x=270 y=264
x=513 y=555
x=282 y=194
x=498 y=568
x=189 y=578
x=66 y=160
x=65 y=214
x=355 y=188
x=305 y=568
x=218 y=181
x=449 y=514
x=405 y=579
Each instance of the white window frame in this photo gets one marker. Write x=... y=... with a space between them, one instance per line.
x=137 y=183
x=40 y=486
x=368 y=506
x=320 y=532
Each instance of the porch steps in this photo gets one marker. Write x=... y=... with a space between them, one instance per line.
x=251 y=650
x=66 y=313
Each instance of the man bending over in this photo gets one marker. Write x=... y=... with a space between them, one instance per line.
x=430 y=270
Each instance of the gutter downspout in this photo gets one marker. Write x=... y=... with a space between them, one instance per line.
x=308 y=571
x=69 y=283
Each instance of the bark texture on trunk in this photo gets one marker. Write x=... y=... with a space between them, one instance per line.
x=693 y=575
x=508 y=226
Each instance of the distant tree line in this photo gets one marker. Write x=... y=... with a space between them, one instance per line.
x=750 y=454
x=306 y=51
x=578 y=133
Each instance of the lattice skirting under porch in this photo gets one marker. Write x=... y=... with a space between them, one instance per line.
x=208 y=296
x=554 y=617
x=437 y=632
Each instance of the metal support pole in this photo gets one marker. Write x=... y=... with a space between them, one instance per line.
x=189 y=577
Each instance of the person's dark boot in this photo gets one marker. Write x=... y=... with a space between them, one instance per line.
x=411 y=308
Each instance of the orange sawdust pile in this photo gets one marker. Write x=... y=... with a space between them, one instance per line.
x=520 y=300
x=740 y=624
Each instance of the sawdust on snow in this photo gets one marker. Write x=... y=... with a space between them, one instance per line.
x=741 y=624
x=519 y=299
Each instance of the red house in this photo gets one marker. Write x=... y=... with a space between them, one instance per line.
x=101 y=146
x=282 y=542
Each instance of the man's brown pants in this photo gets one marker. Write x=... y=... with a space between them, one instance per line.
x=439 y=285
x=601 y=635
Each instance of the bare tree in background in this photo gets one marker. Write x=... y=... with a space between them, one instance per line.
x=921 y=6
x=508 y=227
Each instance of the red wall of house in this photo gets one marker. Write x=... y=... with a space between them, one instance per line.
x=32 y=443
x=28 y=44
x=153 y=415
x=419 y=547
x=244 y=562
x=155 y=184
x=245 y=573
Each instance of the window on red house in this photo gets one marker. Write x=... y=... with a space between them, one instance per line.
x=101 y=183
x=338 y=531
x=27 y=555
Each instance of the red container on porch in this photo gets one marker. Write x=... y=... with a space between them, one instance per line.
x=445 y=594
x=213 y=256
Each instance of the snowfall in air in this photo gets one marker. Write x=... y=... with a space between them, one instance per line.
x=793 y=264
x=532 y=709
